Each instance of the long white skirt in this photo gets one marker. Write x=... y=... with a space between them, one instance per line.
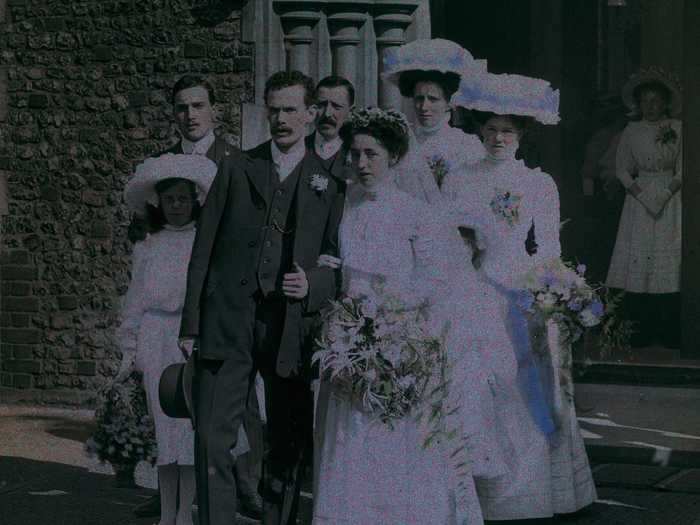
x=368 y=474
x=647 y=254
x=157 y=349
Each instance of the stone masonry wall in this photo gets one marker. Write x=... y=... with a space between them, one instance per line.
x=87 y=99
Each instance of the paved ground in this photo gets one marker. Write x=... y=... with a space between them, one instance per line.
x=45 y=478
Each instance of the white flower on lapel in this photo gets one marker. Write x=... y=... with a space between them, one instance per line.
x=318 y=183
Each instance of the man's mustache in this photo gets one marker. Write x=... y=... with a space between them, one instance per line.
x=278 y=129
x=327 y=120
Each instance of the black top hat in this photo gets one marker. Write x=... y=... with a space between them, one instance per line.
x=175 y=389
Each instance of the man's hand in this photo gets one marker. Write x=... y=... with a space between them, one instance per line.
x=295 y=285
x=329 y=261
x=186 y=345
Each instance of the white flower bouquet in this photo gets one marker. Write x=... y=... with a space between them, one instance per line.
x=380 y=355
x=125 y=433
x=556 y=291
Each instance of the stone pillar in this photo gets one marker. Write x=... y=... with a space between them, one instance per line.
x=299 y=20
x=690 y=275
x=391 y=19
x=344 y=28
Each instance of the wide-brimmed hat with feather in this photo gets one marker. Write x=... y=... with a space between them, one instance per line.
x=141 y=188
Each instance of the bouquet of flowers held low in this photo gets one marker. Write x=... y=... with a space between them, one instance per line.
x=380 y=353
x=125 y=433
x=559 y=292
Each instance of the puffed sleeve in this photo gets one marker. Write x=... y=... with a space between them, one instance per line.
x=625 y=164
x=133 y=305
x=546 y=217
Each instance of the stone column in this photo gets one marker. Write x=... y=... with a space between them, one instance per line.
x=391 y=18
x=344 y=29
x=299 y=20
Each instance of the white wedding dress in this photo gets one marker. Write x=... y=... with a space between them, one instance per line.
x=365 y=472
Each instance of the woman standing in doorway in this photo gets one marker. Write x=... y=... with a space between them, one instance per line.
x=646 y=261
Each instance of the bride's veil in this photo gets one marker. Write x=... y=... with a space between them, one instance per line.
x=412 y=173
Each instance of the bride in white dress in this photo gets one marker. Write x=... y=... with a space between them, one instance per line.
x=365 y=472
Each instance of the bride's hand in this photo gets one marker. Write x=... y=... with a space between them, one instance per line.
x=329 y=261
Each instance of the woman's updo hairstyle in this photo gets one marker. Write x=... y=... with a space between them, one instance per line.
x=390 y=128
x=522 y=122
x=448 y=82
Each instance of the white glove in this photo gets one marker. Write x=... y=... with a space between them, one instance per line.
x=650 y=202
x=329 y=261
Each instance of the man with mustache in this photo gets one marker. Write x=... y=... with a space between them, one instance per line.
x=335 y=97
x=193 y=100
x=253 y=292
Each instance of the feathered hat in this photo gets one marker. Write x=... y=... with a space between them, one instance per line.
x=141 y=188
x=511 y=95
x=435 y=54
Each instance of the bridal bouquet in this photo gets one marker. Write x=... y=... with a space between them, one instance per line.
x=125 y=433
x=557 y=291
x=379 y=354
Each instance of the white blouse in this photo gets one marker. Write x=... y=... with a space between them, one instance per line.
x=513 y=202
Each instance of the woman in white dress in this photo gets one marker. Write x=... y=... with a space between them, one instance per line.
x=520 y=205
x=429 y=73
x=365 y=472
x=646 y=261
x=169 y=190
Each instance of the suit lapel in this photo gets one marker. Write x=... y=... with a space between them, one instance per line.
x=258 y=173
x=305 y=194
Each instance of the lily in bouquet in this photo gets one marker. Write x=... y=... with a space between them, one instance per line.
x=380 y=354
x=558 y=291
x=125 y=433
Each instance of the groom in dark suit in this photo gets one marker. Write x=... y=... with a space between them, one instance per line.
x=253 y=290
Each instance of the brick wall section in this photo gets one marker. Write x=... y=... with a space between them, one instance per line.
x=87 y=94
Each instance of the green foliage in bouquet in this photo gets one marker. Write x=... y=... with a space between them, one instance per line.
x=125 y=433
x=615 y=332
x=380 y=355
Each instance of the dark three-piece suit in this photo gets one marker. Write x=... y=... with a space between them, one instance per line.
x=251 y=231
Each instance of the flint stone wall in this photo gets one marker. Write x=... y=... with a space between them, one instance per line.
x=86 y=98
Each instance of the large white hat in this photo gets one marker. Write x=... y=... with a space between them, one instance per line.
x=435 y=54
x=511 y=95
x=656 y=75
x=141 y=189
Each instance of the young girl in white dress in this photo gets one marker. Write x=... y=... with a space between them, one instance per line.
x=520 y=205
x=366 y=472
x=169 y=190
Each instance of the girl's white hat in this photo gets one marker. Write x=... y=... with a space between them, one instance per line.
x=141 y=188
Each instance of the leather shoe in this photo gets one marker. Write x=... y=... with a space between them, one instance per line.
x=250 y=506
x=149 y=508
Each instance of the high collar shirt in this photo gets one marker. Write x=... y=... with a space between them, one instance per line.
x=201 y=147
x=286 y=162
x=326 y=148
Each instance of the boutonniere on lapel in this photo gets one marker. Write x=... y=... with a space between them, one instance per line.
x=666 y=135
x=439 y=167
x=506 y=205
x=318 y=183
